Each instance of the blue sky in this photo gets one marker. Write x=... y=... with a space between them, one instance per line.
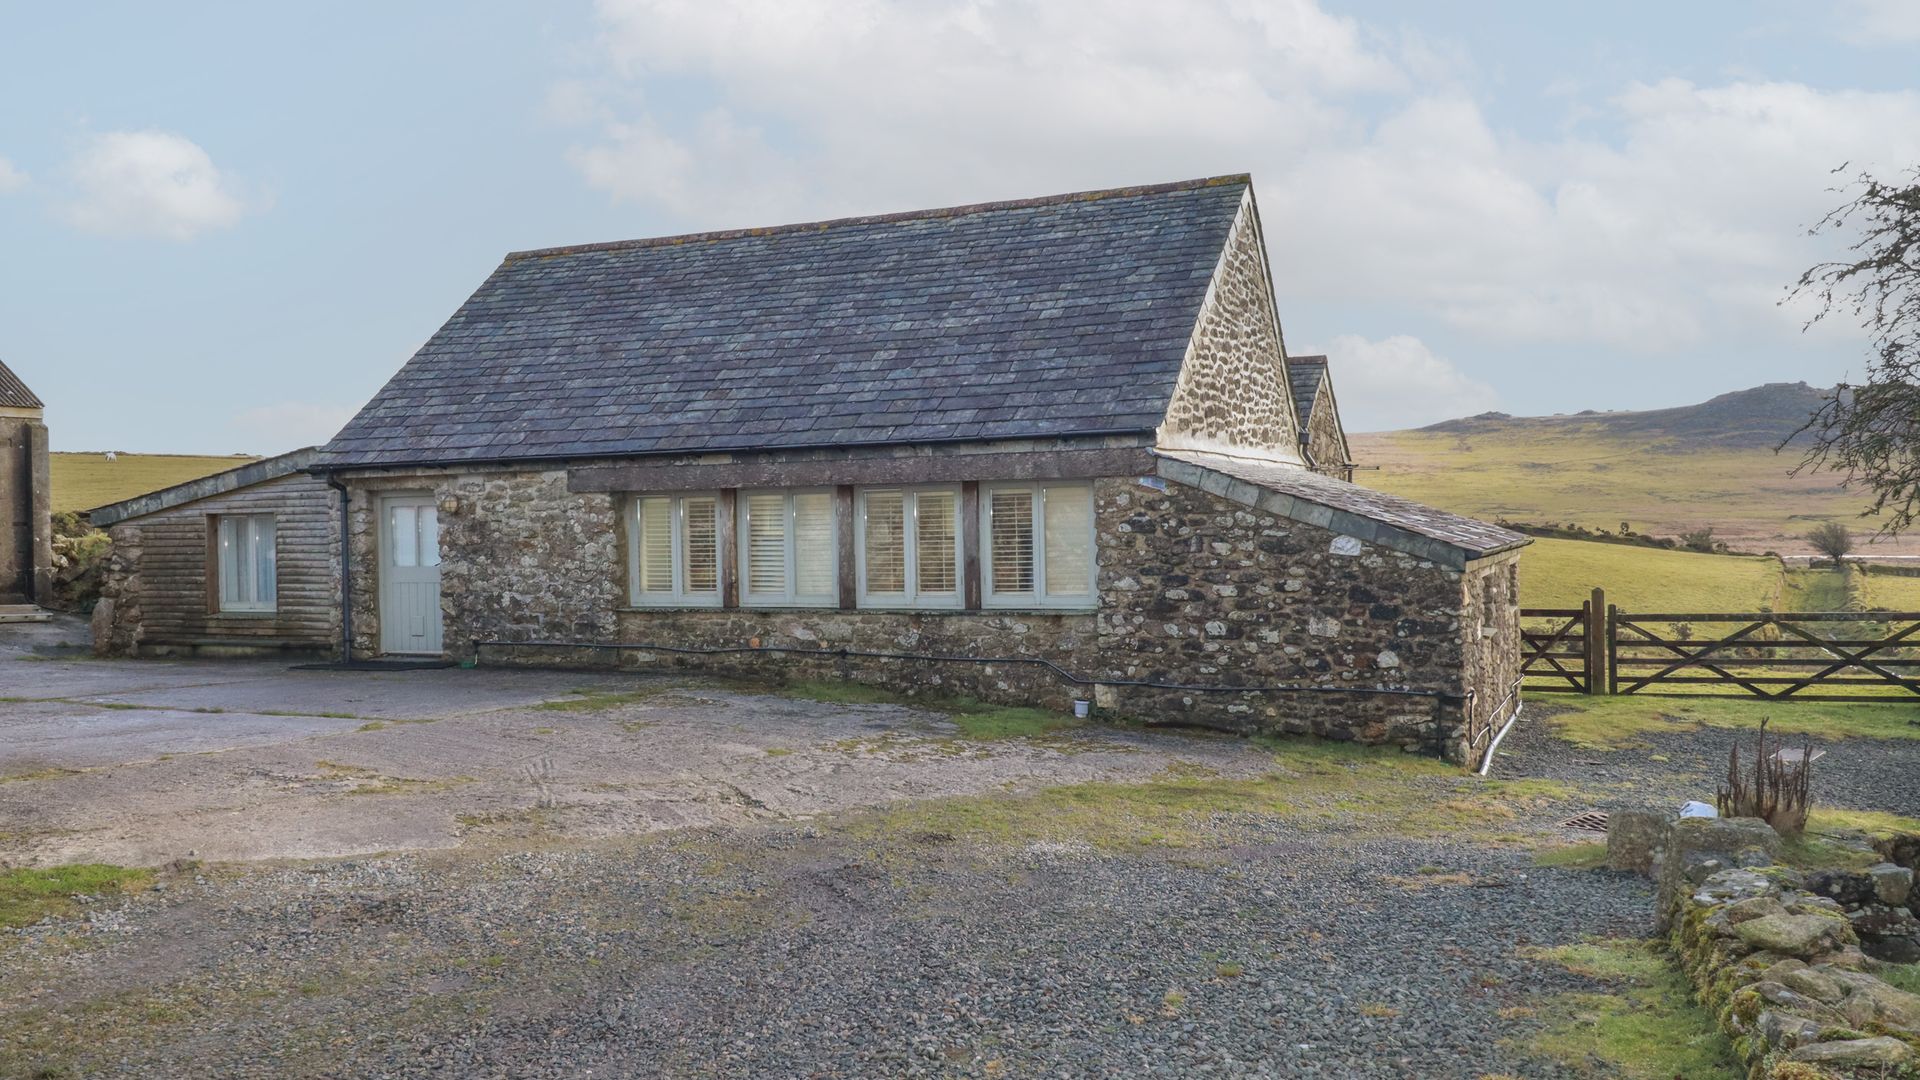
x=224 y=225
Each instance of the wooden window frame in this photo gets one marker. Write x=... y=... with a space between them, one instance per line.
x=911 y=599
x=680 y=596
x=217 y=568
x=790 y=598
x=1039 y=598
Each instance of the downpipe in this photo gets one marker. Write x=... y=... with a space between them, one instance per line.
x=1486 y=763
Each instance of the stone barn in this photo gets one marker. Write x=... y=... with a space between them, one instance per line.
x=26 y=550
x=1031 y=451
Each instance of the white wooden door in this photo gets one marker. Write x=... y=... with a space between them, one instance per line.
x=409 y=575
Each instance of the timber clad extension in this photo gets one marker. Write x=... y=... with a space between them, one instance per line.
x=1028 y=451
x=163 y=590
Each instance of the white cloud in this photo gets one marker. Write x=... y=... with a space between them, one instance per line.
x=1879 y=22
x=1381 y=184
x=1398 y=382
x=11 y=177
x=150 y=183
x=289 y=425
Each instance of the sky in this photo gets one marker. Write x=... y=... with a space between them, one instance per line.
x=224 y=225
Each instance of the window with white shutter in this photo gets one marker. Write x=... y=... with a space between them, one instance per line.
x=1039 y=545
x=673 y=550
x=788 y=545
x=909 y=547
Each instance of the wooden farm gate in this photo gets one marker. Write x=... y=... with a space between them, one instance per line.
x=1795 y=656
x=1559 y=650
x=1780 y=656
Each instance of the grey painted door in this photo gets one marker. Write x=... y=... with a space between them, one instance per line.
x=409 y=575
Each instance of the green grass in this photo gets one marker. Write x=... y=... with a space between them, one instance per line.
x=84 y=481
x=1573 y=857
x=1608 y=723
x=1902 y=977
x=1570 y=471
x=28 y=896
x=1562 y=573
x=1645 y=1026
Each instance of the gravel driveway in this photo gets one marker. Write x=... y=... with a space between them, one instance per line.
x=694 y=881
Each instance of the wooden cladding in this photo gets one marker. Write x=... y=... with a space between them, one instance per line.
x=918 y=469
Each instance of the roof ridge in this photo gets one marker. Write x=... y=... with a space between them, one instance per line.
x=881 y=219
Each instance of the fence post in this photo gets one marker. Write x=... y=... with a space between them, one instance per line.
x=1596 y=641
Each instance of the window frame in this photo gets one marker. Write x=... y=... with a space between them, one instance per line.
x=1039 y=598
x=223 y=564
x=911 y=599
x=679 y=596
x=790 y=598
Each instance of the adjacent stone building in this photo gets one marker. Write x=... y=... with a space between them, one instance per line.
x=26 y=523
x=1323 y=439
x=1029 y=451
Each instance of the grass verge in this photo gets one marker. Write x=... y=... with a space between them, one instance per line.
x=1609 y=723
x=1644 y=1025
x=28 y=896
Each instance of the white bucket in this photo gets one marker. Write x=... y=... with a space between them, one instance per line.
x=1081 y=707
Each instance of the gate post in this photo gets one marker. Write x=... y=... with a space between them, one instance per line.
x=1597 y=629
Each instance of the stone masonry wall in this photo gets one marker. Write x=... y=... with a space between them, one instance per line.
x=1326 y=442
x=1193 y=590
x=1233 y=392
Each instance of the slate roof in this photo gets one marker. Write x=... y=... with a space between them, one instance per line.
x=1374 y=516
x=14 y=393
x=1057 y=316
x=1304 y=374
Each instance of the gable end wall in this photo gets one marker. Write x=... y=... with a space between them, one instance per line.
x=1232 y=395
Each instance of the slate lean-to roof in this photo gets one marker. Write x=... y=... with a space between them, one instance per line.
x=1374 y=516
x=1054 y=316
x=1304 y=374
x=14 y=393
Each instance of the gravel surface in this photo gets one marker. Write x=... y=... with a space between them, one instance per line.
x=793 y=951
x=1690 y=762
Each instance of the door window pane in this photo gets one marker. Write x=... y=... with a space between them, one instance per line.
x=814 y=556
x=429 y=536
x=1069 y=540
x=886 y=542
x=403 y=535
x=1011 y=514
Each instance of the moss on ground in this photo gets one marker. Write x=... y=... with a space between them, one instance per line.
x=1901 y=977
x=28 y=896
x=1365 y=789
x=1589 y=856
x=1608 y=723
x=1643 y=1026
x=598 y=700
x=977 y=720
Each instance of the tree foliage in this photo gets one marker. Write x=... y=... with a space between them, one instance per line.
x=1870 y=431
x=1832 y=539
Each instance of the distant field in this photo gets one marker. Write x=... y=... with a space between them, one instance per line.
x=84 y=481
x=1575 y=472
x=1562 y=573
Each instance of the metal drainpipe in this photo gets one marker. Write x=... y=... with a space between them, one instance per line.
x=346 y=569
